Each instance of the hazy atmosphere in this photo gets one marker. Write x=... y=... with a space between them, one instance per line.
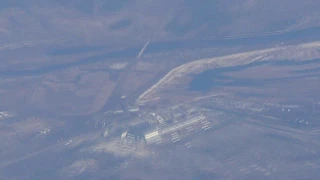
x=159 y=89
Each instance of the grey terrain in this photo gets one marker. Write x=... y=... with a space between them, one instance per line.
x=179 y=89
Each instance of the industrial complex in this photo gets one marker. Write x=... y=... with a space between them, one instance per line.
x=169 y=125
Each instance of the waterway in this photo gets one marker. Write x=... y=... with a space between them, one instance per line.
x=209 y=79
x=302 y=36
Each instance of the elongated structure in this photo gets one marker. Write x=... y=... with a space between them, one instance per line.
x=143 y=49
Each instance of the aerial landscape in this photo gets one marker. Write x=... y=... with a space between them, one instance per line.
x=178 y=89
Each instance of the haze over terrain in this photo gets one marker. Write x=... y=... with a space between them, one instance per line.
x=126 y=22
x=166 y=89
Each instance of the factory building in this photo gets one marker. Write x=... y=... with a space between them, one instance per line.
x=153 y=137
x=182 y=124
x=120 y=111
x=124 y=134
x=133 y=109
